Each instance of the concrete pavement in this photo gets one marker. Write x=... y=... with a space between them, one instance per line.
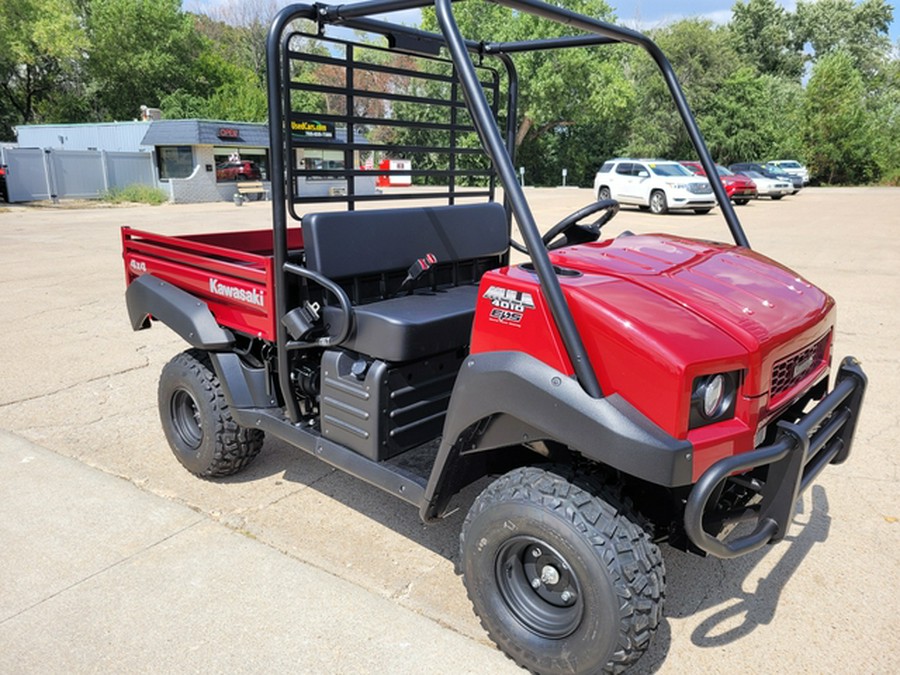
x=75 y=379
x=100 y=576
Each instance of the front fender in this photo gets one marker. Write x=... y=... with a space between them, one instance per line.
x=508 y=398
x=149 y=296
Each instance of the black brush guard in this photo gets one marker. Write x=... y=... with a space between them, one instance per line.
x=802 y=450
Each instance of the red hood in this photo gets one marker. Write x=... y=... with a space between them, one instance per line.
x=755 y=300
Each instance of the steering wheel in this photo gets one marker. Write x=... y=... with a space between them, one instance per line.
x=573 y=233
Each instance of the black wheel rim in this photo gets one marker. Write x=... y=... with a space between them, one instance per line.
x=539 y=587
x=186 y=418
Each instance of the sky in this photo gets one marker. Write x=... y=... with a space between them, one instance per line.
x=639 y=14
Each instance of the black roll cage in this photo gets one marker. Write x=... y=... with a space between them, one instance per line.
x=500 y=150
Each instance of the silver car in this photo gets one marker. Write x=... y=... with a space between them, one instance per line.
x=791 y=167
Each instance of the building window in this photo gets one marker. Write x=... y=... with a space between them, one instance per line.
x=175 y=161
x=236 y=164
x=322 y=160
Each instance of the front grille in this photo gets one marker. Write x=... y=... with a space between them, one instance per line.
x=699 y=188
x=790 y=370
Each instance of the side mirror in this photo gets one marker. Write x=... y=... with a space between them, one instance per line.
x=643 y=174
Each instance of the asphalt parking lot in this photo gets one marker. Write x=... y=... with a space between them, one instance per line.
x=381 y=594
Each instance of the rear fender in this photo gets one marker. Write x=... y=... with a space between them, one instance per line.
x=188 y=316
x=504 y=399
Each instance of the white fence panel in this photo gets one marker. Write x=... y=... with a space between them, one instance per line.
x=77 y=174
x=128 y=168
x=27 y=178
x=34 y=174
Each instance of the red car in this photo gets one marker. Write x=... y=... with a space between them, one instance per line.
x=740 y=189
x=240 y=170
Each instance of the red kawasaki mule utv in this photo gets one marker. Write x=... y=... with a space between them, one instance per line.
x=620 y=392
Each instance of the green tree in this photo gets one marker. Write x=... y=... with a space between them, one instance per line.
x=884 y=104
x=40 y=46
x=703 y=58
x=141 y=50
x=751 y=115
x=241 y=98
x=859 y=30
x=837 y=132
x=238 y=28
x=556 y=87
x=764 y=33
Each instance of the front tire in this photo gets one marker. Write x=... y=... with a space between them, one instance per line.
x=702 y=212
x=564 y=581
x=741 y=202
x=775 y=198
x=658 y=203
x=603 y=193
x=197 y=421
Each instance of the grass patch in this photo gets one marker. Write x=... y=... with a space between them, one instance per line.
x=891 y=178
x=138 y=193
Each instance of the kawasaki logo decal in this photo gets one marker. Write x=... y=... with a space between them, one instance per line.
x=253 y=297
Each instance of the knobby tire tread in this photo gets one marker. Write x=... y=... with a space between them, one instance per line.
x=634 y=562
x=235 y=446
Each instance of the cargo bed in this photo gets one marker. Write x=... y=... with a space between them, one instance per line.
x=232 y=272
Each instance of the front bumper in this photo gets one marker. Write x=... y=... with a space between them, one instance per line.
x=689 y=200
x=801 y=451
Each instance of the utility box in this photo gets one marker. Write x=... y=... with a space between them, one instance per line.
x=395 y=180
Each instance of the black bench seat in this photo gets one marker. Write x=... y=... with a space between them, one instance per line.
x=411 y=326
x=349 y=246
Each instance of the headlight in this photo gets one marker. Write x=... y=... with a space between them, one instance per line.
x=713 y=395
x=713 y=398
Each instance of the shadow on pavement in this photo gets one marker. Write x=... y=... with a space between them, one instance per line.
x=758 y=607
x=694 y=585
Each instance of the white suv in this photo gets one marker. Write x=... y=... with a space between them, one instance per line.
x=657 y=184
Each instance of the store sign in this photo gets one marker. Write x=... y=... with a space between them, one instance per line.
x=228 y=132
x=312 y=129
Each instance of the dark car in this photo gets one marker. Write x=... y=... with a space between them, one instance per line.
x=241 y=170
x=740 y=189
x=4 y=195
x=796 y=181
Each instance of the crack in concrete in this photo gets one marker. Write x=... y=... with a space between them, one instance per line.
x=101 y=571
x=99 y=378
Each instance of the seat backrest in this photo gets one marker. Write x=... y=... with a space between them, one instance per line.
x=345 y=244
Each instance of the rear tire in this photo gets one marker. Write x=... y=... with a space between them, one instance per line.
x=658 y=203
x=564 y=581
x=197 y=422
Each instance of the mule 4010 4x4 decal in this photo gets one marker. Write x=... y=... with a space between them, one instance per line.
x=508 y=305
